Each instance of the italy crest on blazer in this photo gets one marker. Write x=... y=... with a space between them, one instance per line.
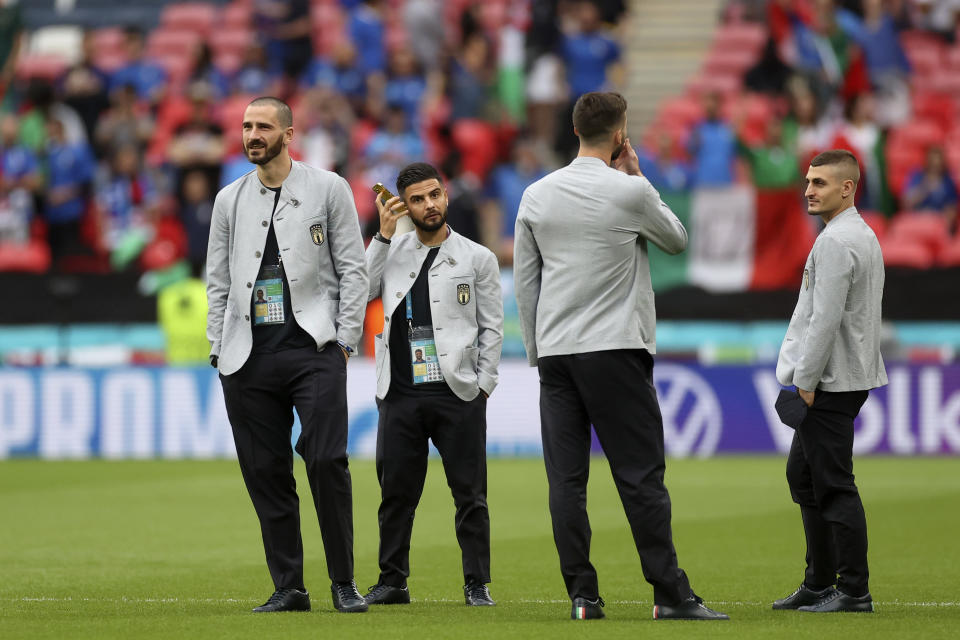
x=316 y=232
x=463 y=293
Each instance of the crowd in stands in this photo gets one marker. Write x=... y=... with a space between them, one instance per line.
x=111 y=155
x=786 y=79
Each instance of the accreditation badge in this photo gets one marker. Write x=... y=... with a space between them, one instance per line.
x=423 y=356
x=268 y=298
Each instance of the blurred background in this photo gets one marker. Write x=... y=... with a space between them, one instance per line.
x=120 y=121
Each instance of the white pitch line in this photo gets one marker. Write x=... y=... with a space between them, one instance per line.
x=174 y=600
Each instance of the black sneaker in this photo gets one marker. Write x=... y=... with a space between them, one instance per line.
x=802 y=597
x=346 y=598
x=285 y=600
x=839 y=601
x=584 y=609
x=385 y=594
x=690 y=609
x=476 y=594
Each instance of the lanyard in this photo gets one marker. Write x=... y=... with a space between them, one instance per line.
x=409 y=311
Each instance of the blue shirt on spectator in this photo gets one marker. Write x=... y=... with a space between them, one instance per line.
x=347 y=81
x=405 y=92
x=367 y=33
x=671 y=176
x=587 y=56
x=944 y=195
x=17 y=162
x=144 y=76
x=68 y=165
x=468 y=93
x=714 y=148
x=506 y=185
x=881 y=45
x=252 y=80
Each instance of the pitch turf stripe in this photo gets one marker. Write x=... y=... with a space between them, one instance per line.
x=174 y=600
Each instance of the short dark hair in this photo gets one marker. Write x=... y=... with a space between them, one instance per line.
x=844 y=159
x=284 y=113
x=414 y=173
x=598 y=114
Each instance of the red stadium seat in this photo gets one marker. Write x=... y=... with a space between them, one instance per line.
x=906 y=253
x=724 y=84
x=683 y=110
x=235 y=16
x=924 y=227
x=230 y=40
x=169 y=43
x=196 y=17
x=877 y=222
x=950 y=255
x=476 y=141
x=46 y=67
x=33 y=257
x=109 y=40
x=935 y=107
x=744 y=36
x=727 y=61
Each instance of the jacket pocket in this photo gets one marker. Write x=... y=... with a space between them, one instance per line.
x=468 y=362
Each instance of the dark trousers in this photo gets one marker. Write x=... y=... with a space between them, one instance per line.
x=260 y=399
x=614 y=391
x=820 y=475
x=458 y=430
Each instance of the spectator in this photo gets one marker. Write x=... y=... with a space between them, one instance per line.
x=405 y=84
x=69 y=174
x=125 y=197
x=126 y=123
x=19 y=166
x=84 y=86
x=938 y=16
x=367 y=32
x=44 y=107
x=506 y=185
x=254 y=77
x=342 y=74
x=284 y=26
x=463 y=193
x=198 y=144
x=202 y=69
x=804 y=130
x=470 y=81
x=770 y=73
x=11 y=39
x=590 y=56
x=426 y=32
x=325 y=122
x=932 y=188
x=393 y=146
x=773 y=165
x=662 y=167
x=713 y=147
x=859 y=133
x=144 y=75
x=195 y=214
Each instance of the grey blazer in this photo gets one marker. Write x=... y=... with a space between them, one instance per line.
x=319 y=238
x=833 y=341
x=469 y=334
x=580 y=266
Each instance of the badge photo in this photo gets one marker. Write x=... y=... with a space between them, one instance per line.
x=463 y=293
x=316 y=233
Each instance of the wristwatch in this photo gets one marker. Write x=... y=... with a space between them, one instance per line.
x=379 y=236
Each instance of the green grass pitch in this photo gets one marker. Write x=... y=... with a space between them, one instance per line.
x=172 y=550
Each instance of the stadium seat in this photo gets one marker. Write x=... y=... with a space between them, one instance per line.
x=230 y=40
x=683 y=110
x=875 y=221
x=476 y=141
x=906 y=253
x=724 y=84
x=57 y=40
x=727 y=61
x=924 y=227
x=328 y=25
x=949 y=256
x=46 y=67
x=235 y=16
x=935 y=107
x=171 y=43
x=744 y=36
x=196 y=17
x=33 y=257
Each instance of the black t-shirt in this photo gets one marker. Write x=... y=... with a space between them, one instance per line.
x=401 y=362
x=277 y=337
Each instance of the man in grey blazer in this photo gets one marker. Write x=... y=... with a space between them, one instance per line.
x=437 y=364
x=831 y=353
x=290 y=231
x=583 y=290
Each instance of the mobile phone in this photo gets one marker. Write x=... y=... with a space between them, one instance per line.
x=385 y=194
x=618 y=151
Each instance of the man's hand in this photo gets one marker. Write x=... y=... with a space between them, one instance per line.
x=390 y=211
x=627 y=161
x=346 y=355
x=806 y=395
x=214 y=360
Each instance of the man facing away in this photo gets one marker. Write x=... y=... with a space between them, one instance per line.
x=831 y=353
x=290 y=230
x=583 y=290
x=437 y=364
